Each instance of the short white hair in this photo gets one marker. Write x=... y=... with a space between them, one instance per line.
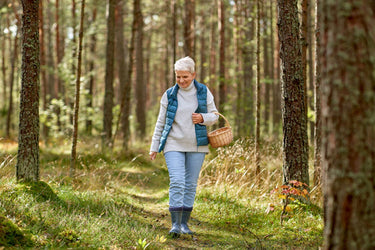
x=185 y=64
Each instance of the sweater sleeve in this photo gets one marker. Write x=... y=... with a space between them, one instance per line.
x=210 y=118
x=159 y=124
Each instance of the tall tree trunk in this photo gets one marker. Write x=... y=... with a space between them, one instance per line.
x=58 y=82
x=174 y=32
x=213 y=46
x=266 y=68
x=90 y=87
x=3 y=67
x=147 y=68
x=348 y=105
x=203 y=48
x=237 y=48
x=140 y=86
x=121 y=54
x=77 y=94
x=277 y=86
x=58 y=92
x=109 y=75
x=167 y=69
x=295 y=145
x=189 y=34
x=317 y=102
x=273 y=106
x=50 y=55
x=69 y=100
x=310 y=63
x=28 y=137
x=304 y=29
x=125 y=103
x=257 y=119
x=74 y=39
x=11 y=83
x=12 y=71
x=248 y=62
x=43 y=73
x=222 y=61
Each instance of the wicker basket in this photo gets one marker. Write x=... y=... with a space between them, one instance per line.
x=222 y=136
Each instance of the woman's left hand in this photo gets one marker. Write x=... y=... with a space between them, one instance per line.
x=153 y=155
x=197 y=118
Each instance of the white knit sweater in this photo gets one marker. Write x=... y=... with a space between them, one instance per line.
x=182 y=135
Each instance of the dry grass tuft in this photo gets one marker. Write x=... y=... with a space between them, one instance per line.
x=234 y=167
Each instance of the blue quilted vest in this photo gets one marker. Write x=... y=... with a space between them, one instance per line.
x=200 y=130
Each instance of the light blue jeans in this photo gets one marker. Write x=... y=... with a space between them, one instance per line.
x=183 y=168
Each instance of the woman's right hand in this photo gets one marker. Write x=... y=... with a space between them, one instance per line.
x=153 y=155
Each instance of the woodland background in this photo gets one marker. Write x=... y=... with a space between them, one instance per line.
x=89 y=75
x=225 y=56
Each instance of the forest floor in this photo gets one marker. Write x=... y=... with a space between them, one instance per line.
x=120 y=201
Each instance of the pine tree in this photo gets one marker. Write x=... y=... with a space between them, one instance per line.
x=28 y=138
x=348 y=108
x=295 y=144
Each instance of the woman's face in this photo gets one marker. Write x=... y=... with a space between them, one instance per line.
x=184 y=78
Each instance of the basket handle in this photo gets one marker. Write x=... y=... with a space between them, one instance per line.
x=226 y=121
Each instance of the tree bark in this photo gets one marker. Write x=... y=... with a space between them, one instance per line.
x=28 y=138
x=90 y=87
x=310 y=63
x=257 y=110
x=43 y=73
x=69 y=99
x=237 y=25
x=304 y=29
x=248 y=61
x=272 y=71
x=317 y=103
x=3 y=67
x=121 y=55
x=59 y=56
x=174 y=32
x=203 y=49
x=348 y=108
x=58 y=86
x=213 y=47
x=140 y=86
x=109 y=75
x=189 y=30
x=222 y=61
x=295 y=145
x=125 y=103
x=277 y=86
x=11 y=83
x=77 y=93
x=266 y=67
x=50 y=55
x=168 y=37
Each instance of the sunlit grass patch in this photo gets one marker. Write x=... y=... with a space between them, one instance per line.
x=73 y=218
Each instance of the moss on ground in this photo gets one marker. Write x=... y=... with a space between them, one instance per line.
x=11 y=235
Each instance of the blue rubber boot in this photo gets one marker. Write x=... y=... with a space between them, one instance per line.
x=184 y=220
x=176 y=224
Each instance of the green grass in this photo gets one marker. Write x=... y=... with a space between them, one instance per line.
x=120 y=201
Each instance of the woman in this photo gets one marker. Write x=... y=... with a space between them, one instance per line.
x=180 y=132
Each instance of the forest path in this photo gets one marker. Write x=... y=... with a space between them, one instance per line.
x=147 y=188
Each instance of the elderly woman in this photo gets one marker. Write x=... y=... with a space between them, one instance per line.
x=180 y=132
